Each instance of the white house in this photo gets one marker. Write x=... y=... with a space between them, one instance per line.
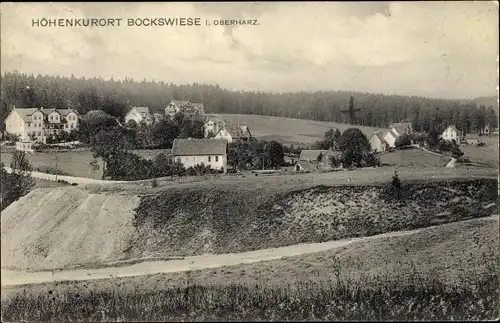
x=35 y=124
x=191 y=152
x=390 y=138
x=451 y=133
x=233 y=133
x=377 y=142
x=139 y=114
x=212 y=124
x=402 y=128
x=397 y=130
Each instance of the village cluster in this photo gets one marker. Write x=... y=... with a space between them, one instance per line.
x=35 y=125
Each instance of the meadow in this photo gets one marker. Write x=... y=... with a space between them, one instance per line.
x=447 y=272
x=288 y=130
x=412 y=158
x=487 y=155
x=71 y=162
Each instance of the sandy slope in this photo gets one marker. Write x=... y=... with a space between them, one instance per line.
x=10 y=278
x=49 y=225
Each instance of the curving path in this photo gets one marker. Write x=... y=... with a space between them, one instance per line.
x=12 y=277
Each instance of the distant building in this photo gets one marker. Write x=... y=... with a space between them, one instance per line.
x=212 y=124
x=233 y=133
x=402 y=128
x=378 y=143
x=192 y=152
x=35 y=124
x=317 y=157
x=185 y=107
x=451 y=133
x=139 y=114
x=390 y=138
x=158 y=117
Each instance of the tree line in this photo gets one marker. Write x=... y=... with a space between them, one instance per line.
x=115 y=97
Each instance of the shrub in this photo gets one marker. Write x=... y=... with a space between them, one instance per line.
x=403 y=140
x=154 y=183
x=19 y=182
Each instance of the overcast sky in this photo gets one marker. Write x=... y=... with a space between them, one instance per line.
x=434 y=49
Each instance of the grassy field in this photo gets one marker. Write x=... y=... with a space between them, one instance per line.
x=413 y=158
x=72 y=163
x=287 y=130
x=447 y=272
x=487 y=155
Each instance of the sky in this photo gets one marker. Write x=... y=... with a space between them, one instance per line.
x=435 y=49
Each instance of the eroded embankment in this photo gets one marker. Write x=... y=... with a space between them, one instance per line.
x=64 y=227
x=53 y=228
x=196 y=220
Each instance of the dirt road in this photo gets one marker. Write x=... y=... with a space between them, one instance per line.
x=11 y=277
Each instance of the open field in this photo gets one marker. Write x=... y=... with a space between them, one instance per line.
x=487 y=155
x=72 y=163
x=444 y=272
x=286 y=181
x=413 y=158
x=288 y=130
x=195 y=220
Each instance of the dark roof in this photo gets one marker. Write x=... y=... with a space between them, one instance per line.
x=26 y=113
x=307 y=165
x=196 y=147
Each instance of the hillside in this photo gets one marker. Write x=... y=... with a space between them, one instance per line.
x=288 y=130
x=55 y=228
x=116 y=97
x=487 y=101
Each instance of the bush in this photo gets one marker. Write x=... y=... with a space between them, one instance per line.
x=19 y=182
x=201 y=169
x=403 y=140
x=154 y=183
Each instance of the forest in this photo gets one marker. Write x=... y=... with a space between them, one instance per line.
x=115 y=97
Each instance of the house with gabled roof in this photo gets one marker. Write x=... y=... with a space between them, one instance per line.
x=451 y=133
x=212 y=125
x=186 y=107
x=233 y=133
x=176 y=106
x=36 y=124
x=318 y=157
x=139 y=115
x=377 y=142
x=191 y=152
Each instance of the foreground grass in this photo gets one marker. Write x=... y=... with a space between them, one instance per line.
x=369 y=298
x=442 y=273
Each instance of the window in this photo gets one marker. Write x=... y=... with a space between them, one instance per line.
x=51 y=118
x=216 y=158
x=39 y=133
x=71 y=126
x=209 y=158
x=65 y=125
